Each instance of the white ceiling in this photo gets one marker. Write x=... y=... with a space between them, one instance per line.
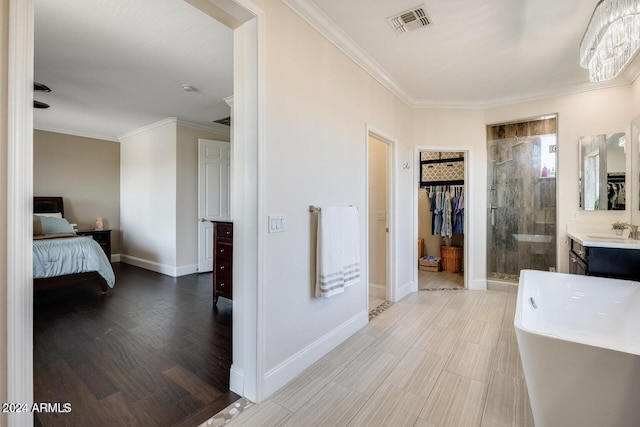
x=118 y=65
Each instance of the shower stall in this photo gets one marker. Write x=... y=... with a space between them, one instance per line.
x=521 y=198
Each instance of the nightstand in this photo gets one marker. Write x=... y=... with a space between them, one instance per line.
x=103 y=237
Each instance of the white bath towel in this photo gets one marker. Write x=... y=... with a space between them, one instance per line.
x=338 y=254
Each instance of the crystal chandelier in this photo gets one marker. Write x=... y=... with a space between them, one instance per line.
x=612 y=38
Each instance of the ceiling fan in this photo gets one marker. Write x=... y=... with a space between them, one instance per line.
x=41 y=88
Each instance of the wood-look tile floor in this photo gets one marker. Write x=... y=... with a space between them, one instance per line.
x=440 y=280
x=154 y=352
x=436 y=358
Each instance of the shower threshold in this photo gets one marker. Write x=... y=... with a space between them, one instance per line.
x=503 y=277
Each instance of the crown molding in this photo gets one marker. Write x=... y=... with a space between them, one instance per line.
x=157 y=125
x=213 y=127
x=313 y=15
x=171 y=121
x=75 y=133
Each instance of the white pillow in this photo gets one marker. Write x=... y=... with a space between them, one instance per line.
x=51 y=215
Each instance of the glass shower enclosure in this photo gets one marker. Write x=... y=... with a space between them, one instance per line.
x=521 y=198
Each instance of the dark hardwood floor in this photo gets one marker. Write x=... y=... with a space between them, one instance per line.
x=153 y=352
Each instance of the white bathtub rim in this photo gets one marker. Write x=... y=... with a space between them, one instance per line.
x=631 y=348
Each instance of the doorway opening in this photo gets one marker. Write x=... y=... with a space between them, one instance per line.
x=378 y=161
x=441 y=224
x=246 y=370
x=521 y=197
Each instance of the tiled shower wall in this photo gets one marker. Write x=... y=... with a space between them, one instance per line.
x=522 y=230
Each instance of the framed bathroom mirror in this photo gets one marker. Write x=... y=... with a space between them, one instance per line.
x=603 y=172
x=634 y=177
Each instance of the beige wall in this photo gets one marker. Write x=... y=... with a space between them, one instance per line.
x=187 y=191
x=378 y=176
x=317 y=106
x=460 y=130
x=86 y=172
x=159 y=197
x=148 y=196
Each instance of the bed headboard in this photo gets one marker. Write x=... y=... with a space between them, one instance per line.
x=48 y=205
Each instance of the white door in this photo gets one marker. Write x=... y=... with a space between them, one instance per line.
x=214 y=198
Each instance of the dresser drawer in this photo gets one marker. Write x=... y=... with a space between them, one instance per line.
x=224 y=230
x=224 y=255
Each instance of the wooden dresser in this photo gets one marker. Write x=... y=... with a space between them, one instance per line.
x=222 y=260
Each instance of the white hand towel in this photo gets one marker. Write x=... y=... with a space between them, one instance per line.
x=338 y=254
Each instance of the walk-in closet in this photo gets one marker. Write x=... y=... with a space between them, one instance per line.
x=441 y=202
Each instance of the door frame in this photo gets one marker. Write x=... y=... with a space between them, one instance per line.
x=469 y=201
x=247 y=371
x=392 y=244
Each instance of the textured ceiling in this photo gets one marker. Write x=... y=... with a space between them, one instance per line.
x=117 y=65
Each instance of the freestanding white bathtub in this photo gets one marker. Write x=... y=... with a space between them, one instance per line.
x=579 y=341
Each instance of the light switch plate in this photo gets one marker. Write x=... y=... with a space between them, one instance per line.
x=276 y=224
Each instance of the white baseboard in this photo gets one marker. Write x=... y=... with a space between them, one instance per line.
x=169 y=270
x=405 y=290
x=277 y=377
x=236 y=380
x=115 y=257
x=378 y=291
x=477 y=285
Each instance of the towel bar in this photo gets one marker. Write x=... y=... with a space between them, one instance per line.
x=318 y=209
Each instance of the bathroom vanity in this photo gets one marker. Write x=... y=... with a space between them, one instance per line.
x=604 y=255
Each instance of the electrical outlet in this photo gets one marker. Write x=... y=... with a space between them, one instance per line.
x=575 y=215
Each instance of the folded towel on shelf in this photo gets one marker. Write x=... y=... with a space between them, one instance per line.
x=338 y=251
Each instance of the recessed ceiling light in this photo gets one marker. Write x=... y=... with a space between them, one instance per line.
x=189 y=88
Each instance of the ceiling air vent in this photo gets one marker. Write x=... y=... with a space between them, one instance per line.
x=410 y=20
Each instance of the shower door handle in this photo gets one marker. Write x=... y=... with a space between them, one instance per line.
x=492 y=214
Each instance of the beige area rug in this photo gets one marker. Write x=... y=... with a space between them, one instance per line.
x=443 y=280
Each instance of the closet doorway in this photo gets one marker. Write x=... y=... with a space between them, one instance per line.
x=441 y=224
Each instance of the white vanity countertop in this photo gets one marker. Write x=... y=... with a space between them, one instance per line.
x=602 y=240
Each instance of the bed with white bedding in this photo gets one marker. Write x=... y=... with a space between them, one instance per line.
x=60 y=257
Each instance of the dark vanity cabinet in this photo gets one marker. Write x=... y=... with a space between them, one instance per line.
x=616 y=263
